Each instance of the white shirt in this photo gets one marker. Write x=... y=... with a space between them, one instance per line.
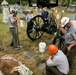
x=60 y=61
x=10 y=19
x=29 y=16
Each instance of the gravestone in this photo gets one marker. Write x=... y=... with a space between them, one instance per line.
x=34 y=5
x=30 y=54
x=21 y=23
x=72 y=8
x=26 y=6
x=41 y=65
x=39 y=11
x=72 y=16
x=25 y=12
x=15 y=6
x=5 y=6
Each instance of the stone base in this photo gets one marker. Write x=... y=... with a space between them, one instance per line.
x=72 y=8
x=5 y=21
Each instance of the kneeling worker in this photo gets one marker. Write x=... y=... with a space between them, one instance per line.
x=57 y=63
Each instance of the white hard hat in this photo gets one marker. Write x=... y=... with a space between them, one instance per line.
x=64 y=21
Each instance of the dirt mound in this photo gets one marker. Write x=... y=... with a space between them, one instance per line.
x=7 y=65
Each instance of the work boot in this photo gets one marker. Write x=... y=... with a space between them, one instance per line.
x=16 y=48
x=11 y=44
x=20 y=46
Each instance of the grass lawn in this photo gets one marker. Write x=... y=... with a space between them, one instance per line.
x=28 y=44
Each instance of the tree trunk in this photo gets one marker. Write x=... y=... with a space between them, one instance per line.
x=68 y=3
x=20 y=3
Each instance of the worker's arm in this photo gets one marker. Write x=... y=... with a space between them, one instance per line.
x=61 y=28
x=71 y=45
x=73 y=34
x=52 y=61
x=14 y=20
x=50 y=58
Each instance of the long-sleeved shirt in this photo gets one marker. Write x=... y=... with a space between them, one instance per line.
x=60 y=61
x=70 y=35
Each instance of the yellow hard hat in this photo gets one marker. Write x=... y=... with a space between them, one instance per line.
x=11 y=10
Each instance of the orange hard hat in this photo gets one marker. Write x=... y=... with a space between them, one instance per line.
x=52 y=48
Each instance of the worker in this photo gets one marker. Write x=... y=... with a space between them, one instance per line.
x=68 y=28
x=12 y=23
x=29 y=16
x=57 y=63
x=45 y=14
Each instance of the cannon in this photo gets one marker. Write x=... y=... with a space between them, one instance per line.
x=60 y=41
x=37 y=26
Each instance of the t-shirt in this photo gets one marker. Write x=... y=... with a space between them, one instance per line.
x=45 y=14
x=10 y=19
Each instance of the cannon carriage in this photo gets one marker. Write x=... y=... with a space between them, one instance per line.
x=37 y=26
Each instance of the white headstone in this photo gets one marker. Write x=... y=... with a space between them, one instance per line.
x=55 y=11
x=21 y=23
x=58 y=16
x=5 y=11
x=71 y=16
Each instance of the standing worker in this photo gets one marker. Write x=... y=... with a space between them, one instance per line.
x=57 y=63
x=29 y=16
x=45 y=14
x=68 y=28
x=12 y=23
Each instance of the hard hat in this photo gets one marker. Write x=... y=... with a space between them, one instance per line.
x=11 y=10
x=52 y=48
x=64 y=21
x=15 y=11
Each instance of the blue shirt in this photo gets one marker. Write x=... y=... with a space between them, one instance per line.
x=45 y=14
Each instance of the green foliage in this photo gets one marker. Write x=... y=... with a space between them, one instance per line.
x=17 y=1
x=67 y=2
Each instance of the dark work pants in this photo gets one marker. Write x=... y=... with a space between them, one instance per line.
x=70 y=54
x=14 y=37
x=53 y=71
